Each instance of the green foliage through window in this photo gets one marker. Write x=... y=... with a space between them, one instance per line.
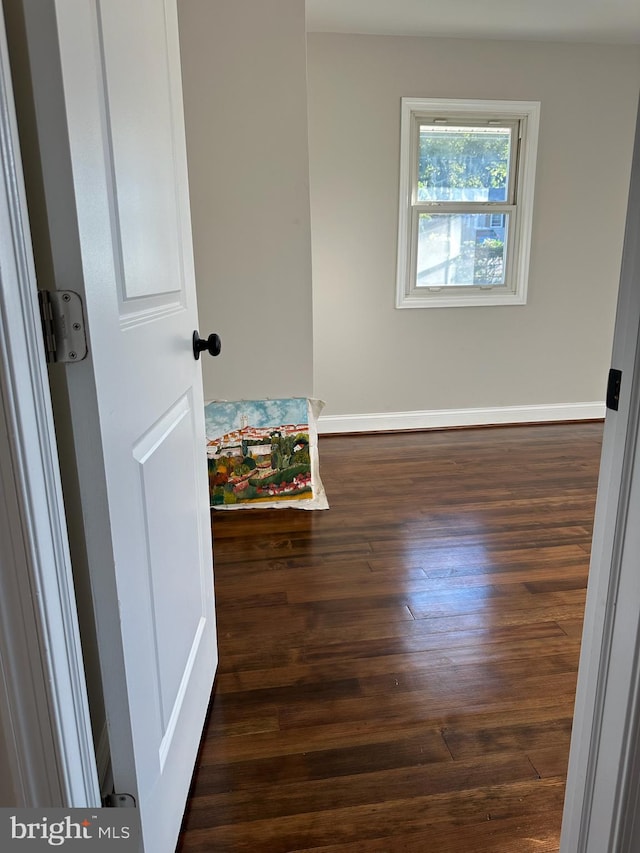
x=463 y=164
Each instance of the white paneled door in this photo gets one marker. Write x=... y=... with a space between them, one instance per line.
x=108 y=100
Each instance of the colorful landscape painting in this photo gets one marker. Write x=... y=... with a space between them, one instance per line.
x=260 y=452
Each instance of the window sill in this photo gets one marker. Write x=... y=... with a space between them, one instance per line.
x=460 y=300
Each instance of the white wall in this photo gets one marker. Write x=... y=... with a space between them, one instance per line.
x=245 y=98
x=369 y=356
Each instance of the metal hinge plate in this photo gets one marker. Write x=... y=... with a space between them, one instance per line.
x=119 y=801
x=63 y=326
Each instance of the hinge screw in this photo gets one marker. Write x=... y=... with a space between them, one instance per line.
x=66 y=297
x=73 y=354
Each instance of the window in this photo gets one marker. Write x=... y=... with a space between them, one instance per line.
x=467 y=174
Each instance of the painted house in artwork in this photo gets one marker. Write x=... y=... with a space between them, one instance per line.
x=231 y=442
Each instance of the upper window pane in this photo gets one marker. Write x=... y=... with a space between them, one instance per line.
x=463 y=163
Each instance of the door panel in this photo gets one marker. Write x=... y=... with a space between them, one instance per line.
x=137 y=77
x=174 y=563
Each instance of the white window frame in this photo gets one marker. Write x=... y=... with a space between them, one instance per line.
x=514 y=292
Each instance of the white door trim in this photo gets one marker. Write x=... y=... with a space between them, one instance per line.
x=601 y=780
x=44 y=711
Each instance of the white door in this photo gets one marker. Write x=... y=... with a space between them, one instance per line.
x=107 y=92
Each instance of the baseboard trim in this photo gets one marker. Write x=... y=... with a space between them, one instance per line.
x=449 y=418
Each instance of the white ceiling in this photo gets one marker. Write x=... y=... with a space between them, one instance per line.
x=610 y=21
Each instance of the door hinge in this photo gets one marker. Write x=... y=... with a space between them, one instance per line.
x=63 y=326
x=119 y=801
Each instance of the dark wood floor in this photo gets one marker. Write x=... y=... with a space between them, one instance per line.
x=397 y=674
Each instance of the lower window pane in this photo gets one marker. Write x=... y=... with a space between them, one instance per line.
x=458 y=249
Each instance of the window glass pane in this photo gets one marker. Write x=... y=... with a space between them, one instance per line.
x=463 y=163
x=457 y=249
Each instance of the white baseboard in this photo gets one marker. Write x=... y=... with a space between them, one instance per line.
x=443 y=418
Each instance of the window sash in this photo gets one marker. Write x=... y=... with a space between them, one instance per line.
x=423 y=120
x=490 y=207
x=416 y=290
x=461 y=207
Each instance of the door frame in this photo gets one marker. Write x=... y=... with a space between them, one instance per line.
x=44 y=710
x=602 y=786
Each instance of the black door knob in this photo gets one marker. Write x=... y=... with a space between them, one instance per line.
x=212 y=344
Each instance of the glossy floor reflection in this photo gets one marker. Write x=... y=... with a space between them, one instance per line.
x=398 y=673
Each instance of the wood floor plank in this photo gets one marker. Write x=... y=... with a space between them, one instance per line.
x=464 y=652
x=506 y=835
x=549 y=761
x=323 y=794
x=525 y=737
x=397 y=674
x=440 y=694
x=415 y=813
x=227 y=750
